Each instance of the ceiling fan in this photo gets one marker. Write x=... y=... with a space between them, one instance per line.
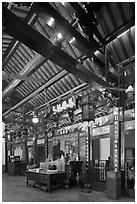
x=6 y=76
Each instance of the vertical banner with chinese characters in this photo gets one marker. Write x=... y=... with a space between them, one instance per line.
x=116 y=139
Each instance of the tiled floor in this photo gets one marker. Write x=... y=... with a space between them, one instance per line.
x=14 y=189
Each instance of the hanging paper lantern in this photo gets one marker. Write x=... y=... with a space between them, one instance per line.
x=88 y=107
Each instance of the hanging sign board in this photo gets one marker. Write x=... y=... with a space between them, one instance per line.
x=40 y=141
x=29 y=143
x=129 y=125
x=101 y=130
x=129 y=115
x=116 y=140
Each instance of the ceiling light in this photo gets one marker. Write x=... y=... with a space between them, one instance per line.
x=72 y=40
x=35 y=119
x=125 y=73
x=51 y=21
x=59 y=35
x=96 y=52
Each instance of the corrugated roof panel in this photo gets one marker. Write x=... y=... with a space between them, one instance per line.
x=49 y=71
x=74 y=79
x=127 y=10
x=16 y=63
x=65 y=81
x=21 y=90
x=25 y=53
x=40 y=29
x=43 y=74
x=28 y=50
x=116 y=51
x=63 y=85
x=13 y=67
x=44 y=69
x=116 y=13
x=8 y=70
x=47 y=98
x=72 y=85
x=48 y=30
x=131 y=40
x=57 y=88
x=62 y=88
x=57 y=85
x=56 y=68
x=106 y=20
x=54 y=91
x=123 y=48
x=119 y=51
x=61 y=9
x=26 y=88
x=132 y=30
x=51 y=93
x=20 y=58
x=50 y=68
x=40 y=76
x=20 y=11
x=39 y=100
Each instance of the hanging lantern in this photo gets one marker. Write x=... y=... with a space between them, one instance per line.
x=35 y=118
x=88 y=107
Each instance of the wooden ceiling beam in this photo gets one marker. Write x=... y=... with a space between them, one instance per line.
x=34 y=40
x=63 y=26
x=33 y=64
x=40 y=89
x=30 y=19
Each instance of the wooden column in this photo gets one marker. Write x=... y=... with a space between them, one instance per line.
x=113 y=181
x=122 y=133
x=122 y=157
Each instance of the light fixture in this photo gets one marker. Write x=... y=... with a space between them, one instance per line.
x=96 y=52
x=35 y=119
x=72 y=40
x=51 y=21
x=59 y=35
